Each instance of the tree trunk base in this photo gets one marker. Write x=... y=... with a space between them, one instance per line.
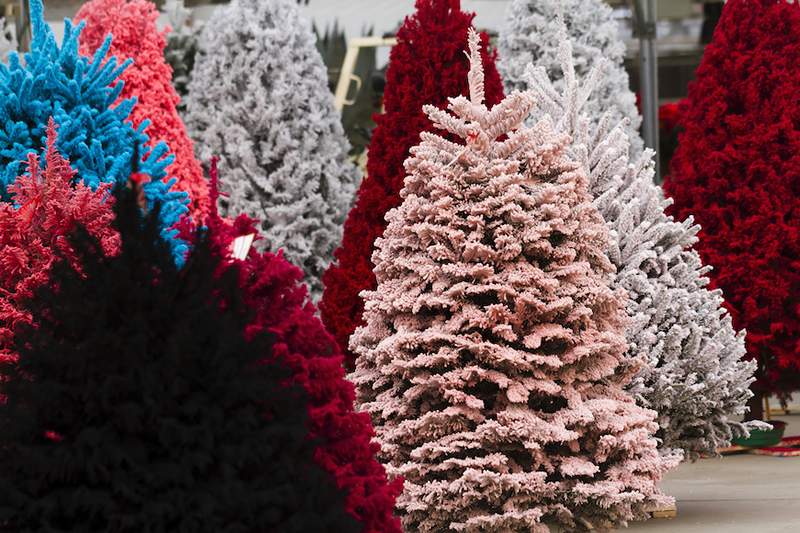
x=755 y=407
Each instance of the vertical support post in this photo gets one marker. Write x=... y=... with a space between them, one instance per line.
x=23 y=24
x=345 y=76
x=645 y=29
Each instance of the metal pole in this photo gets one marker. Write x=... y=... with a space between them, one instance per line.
x=23 y=24
x=645 y=19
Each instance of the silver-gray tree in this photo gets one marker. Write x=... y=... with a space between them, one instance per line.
x=695 y=377
x=259 y=100
x=532 y=35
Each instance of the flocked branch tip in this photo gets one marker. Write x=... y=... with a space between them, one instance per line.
x=476 y=90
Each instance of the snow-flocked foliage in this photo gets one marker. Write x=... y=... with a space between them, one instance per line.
x=694 y=375
x=426 y=66
x=491 y=359
x=533 y=34
x=259 y=100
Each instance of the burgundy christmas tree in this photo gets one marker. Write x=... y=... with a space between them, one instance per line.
x=149 y=80
x=425 y=67
x=272 y=288
x=47 y=207
x=737 y=171
x=490 y=359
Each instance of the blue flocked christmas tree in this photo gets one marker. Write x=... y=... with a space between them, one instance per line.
x=99 y=141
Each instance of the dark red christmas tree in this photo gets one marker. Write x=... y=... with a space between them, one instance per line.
x=427 y=66
x=737 y=170
x=272 y=288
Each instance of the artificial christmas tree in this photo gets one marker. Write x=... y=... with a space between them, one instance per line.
x=46 y=209
x=140 y=404
x=78 y=93
x=259 y=100
x=272 y=289
x=426 y=66
x=694 y=375
x=532 y=34
x=135 y=35
x=181 y=46
x=491 y=356
x=736 y=170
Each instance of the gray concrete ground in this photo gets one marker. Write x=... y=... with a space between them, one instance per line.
x=734 y=494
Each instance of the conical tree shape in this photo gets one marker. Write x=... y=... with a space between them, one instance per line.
x=532 y=34
x=427 y=66
x=149 y=79
x=93 y=134
x=271 y=287
x=695 y=377
x=139 y=404
x=259 y=100
x=737 y=171
x=491 y=356
x=33 y=231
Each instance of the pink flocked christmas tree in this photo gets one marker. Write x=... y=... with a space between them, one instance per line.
x=490 y=356
x=149 y=79
x=48 y=207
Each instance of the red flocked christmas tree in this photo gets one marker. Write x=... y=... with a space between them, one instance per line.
x=272 y=287
x=737 y=170
x=33 y=232
x=135 y=35
x=427 y=66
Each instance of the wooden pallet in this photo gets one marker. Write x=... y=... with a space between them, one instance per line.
x=735 y=448
x=664 y=513
x=669 y=512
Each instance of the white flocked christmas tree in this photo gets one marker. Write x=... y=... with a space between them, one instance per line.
x=695 y=377
x=259 y=100
x=490 y=359
x=532 y=35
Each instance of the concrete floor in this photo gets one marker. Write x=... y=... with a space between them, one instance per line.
x=734 y=494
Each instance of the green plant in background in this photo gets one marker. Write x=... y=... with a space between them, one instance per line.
x=181 y=45
x=366 y=97
x=332 y=46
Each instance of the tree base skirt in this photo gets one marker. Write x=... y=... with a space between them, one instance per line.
x=787 y=447
x=763 y=438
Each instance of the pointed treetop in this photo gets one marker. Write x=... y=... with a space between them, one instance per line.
x=427 y=66
x=569 y=105
x=56 y=164
x=475 y=76
x=537 y=32
x=472 y=120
